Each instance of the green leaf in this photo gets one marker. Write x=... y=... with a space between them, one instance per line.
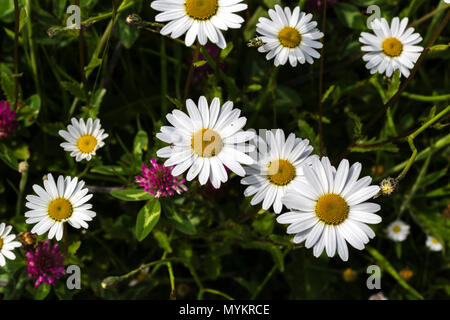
x=131 y=195
x=385 y=265
x=108 y=170
x=42 y=291
x=74 y=88
x=274 y=250
x=253 y=87
x=127 y=35
x=163 y=240
x=175 y=101
x=394 y=85
x=328 y=92
x=96 y=100
x=357 y=124
x=307 y=132
x=8 y=86
x=147 y=218
x=73 y=247
x=263 y=224
x=179 y=221
x=349 y=15
x=23 y=19
x=199 y=63
x=225 y=52
x=140 y=143
x=94 y=63
x=7 y=156
x=30 y=111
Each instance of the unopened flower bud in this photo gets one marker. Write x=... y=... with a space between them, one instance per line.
x=133 y=20
x=23 y=167
x=109 y=282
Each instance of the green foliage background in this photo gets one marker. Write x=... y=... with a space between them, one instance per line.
x=206 y=243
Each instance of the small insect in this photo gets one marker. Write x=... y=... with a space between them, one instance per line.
x=27 y=239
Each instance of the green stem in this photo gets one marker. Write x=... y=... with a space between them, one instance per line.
x=415 y=186
x=419 y=97
x=428 y=15
x=86 y=169
x=16 y=52
x=411 y=137
x=322 y=51
x=22 y=185
x=32 y=50
x=216 y=292
x=116 y=279
x=268 y=276
x=163 y=61
x=190 y=74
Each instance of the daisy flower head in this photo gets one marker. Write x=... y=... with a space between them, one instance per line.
x=7 y=244
x=391 y=47
x=330 y=208
x=277 y=169
x=159 y=181
x=57 y=203
x=205 y=140
x=202 y=19
x=289 y=35
x=398 y=231
x=433 y=244
x=83 y=138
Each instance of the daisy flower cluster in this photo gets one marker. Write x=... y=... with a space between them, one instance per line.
x=60 y=201
x=328 y=205
x=325 y=207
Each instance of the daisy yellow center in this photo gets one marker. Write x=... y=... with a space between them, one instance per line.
x=201 y=9
x=331 y=209
x=434 y=241
x=281 y=172
x=60 y=209
x=1 y=243
x=87 y=143
x=206 y=143
x=392 y=47
x=289 y=37
x=396 y=229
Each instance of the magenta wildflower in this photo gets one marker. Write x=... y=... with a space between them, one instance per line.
x=45 y=263
x=159 y=181
x=8 y=124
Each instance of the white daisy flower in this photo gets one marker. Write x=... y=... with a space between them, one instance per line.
x=83 y=138
x=205 y=141
x=330 y=209
x=7 y=244
x=202 y=19
x=64 y=201
x=378 y=296
x=433 y=244
x=289 y=36
x=391 y=48
x=279 y=166
x=398 y=231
